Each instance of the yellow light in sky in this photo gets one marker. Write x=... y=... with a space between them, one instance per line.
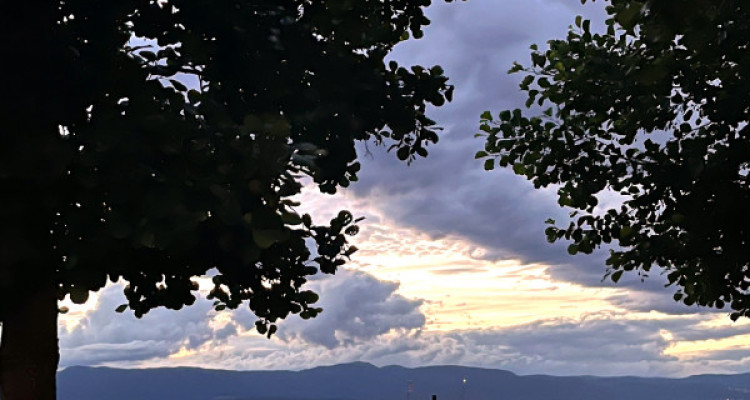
x=183 y=353
x=696 y=349
x=699 y=348
x=464 y=292
x=75 y=312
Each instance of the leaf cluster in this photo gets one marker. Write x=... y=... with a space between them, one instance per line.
x=654 y=110
x=158 y=141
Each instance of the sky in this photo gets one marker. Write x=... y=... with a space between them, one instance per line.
x=454 y=267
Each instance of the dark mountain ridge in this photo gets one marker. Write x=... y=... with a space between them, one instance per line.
x=362 y=381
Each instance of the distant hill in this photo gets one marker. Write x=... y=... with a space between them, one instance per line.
x=362 y=381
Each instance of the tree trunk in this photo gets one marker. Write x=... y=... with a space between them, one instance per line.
x=29 y=352
x=32 y=160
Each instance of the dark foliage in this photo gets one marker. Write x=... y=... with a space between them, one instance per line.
x=656 y=110
x=157 y=141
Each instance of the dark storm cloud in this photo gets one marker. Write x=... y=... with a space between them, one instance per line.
x=600 y=344
x=356 y=323
x=590 y=340
x=595 y=344
x=356 y=307
x=97 y=353
x=103 y=335
x=448 y=193
x=657 y=298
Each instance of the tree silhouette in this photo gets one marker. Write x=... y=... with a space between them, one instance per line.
x=656 y=110
x=157 y=141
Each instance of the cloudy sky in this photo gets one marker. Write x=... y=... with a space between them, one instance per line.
x=454 y=266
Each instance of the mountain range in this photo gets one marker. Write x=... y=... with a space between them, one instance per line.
x=362 y=381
